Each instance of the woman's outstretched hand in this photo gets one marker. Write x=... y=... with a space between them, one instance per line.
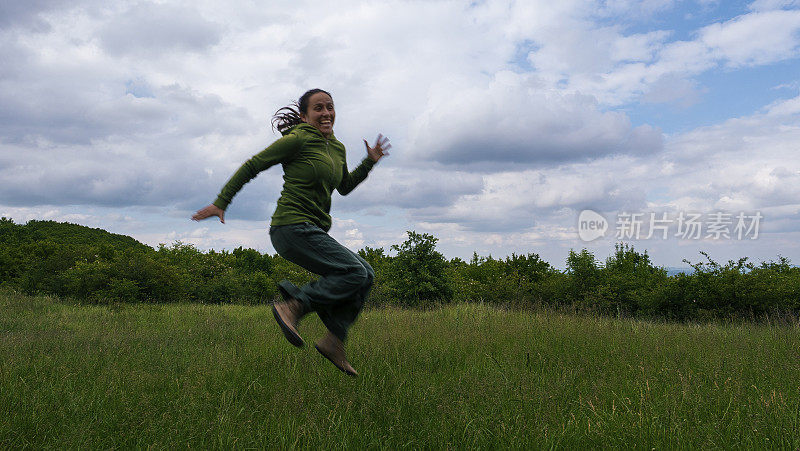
x=209 y=211
x=379 y=149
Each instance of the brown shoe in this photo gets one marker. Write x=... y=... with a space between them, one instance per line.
x=288 y=314
x=332 y=348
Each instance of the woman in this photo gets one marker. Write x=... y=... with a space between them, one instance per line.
x=314 y=164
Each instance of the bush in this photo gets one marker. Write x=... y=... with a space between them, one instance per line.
x=514 y=281
x=380 y=294
x=43 y=263
x=419 y=272
x=774 y=286
x=630 y=281
x=584 y=279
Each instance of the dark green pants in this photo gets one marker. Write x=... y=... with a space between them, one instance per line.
x=345 y=278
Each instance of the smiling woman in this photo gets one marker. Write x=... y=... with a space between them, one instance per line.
x=314 y=164
x=315 y=107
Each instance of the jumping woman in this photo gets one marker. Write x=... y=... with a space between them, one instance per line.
x=314 y=164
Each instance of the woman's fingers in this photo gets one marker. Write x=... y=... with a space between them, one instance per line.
x=379 y=149
x=382 y=142
x=207 y=212
x=200 y=214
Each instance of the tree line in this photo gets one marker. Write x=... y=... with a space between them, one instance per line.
x=95 y=266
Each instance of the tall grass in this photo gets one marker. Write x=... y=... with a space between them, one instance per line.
x=222 y=376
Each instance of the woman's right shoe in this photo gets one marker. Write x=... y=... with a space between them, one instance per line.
x=288 y=314
x=332 y=348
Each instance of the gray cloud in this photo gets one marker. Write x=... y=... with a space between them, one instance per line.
x=151 y=29
x=27 y=14
x=68 y=141
x=110 y=177
x=410 y=189
x=561 y=143
x=70 y=111
x=514 y=121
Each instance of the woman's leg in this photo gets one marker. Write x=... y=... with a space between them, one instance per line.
x=345 y=278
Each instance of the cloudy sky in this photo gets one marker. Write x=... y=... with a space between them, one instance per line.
x=507 y=119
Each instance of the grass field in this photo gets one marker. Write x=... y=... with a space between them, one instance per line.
x=171 y=376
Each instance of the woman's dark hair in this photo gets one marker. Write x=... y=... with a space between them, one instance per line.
x=289 y=116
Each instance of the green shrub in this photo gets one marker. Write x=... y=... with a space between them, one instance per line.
x=584 y=279
x=485 y=279
x=629 y=281
x=380 y=294
x=120 y=290
x=419 y=272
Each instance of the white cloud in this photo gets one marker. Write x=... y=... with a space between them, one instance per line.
x=768 y=5
x=746 y=163
x=348 y=232
x=642 y=47
x=618 y=68
x=756 y=38
x=523 y=199
x=743 y=165
x=673 y=89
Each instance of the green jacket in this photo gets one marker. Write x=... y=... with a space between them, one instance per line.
x=313 y=167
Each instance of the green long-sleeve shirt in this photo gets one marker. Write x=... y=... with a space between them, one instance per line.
x=313 y=167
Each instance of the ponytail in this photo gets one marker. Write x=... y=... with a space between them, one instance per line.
x=286 y=118
x=289 y=116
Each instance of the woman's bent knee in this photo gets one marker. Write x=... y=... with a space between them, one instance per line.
x=359 y=276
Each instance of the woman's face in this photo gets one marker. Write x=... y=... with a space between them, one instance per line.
x=320 y=113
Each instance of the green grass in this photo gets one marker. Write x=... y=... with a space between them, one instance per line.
x=172 y=376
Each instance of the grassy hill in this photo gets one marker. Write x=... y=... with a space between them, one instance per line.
x=62 y=232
